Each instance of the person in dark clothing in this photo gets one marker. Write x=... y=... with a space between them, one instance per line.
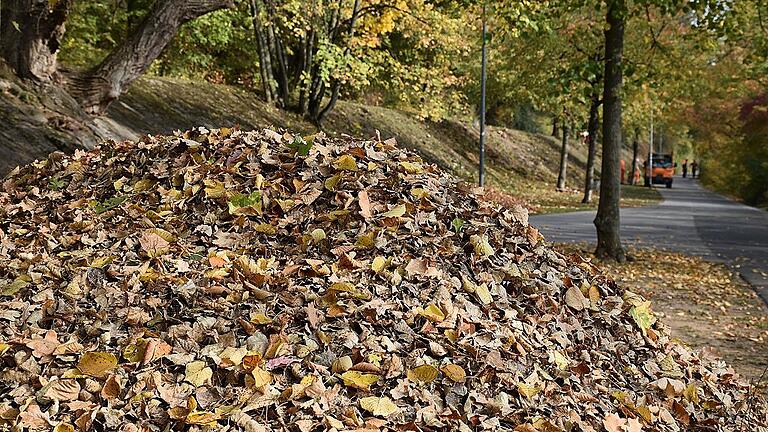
x=685 y=168
x=694 y=167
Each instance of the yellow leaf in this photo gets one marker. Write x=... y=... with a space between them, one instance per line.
x=167 y=236
x=424 y=374
x=260 y=318
x=318 y=235
x=379 y=263
x=379 y=406
x=101 y=262
x=214 y=189
x=331 y=182
x=419 y=193
x=266 y=228
x=233 y=356
x=454 y=372
x=528 y=391
x=134 y=352
x=594 y=295
x=4 y=347
x=558 y=359
x=261 y=377
x=412 y=168
x=432 y=313
x=396 y=211
x=483 y=294
x=96 y=364
x=691 y=394
x=345 y=163
x=362 y=381
x=197 y=373
x=143 y=185
x=481 y=245
x=202 y=418
x=642 y=315
x=64 y=427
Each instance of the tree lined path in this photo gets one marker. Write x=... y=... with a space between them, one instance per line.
x=691 y=220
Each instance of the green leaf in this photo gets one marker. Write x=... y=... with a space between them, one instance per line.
x=245 y=204
x=643 y=316
x=457 y=224
x=300 y=145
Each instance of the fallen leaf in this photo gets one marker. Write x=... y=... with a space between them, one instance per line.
x=432 y=313
x=395 y=212
x=423 y=374
x=379 y=406
x=345 y=163
x=197 y=373
x=454 y=372
x=63 y=390
x=362 y=381
x=575 y=299
x=97 y=364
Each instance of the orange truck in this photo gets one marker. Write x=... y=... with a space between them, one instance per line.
x=663 y=170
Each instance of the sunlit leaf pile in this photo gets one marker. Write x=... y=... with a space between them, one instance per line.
x=263 y=281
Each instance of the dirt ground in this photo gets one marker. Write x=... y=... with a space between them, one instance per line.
x=705 y=304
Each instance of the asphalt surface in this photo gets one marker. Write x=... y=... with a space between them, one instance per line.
x=691 y=220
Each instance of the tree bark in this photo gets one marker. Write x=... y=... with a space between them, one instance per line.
x=30 y=35
x=265 y=58
x=608 y=221
x=592 y=125
x=96 y=89
x=563 y=158
x=555 y=127
x=635 y=151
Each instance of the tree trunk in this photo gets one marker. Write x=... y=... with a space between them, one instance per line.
x=319 y=115
x=30 y=35
x=265 y=58
x=608 y=220
x=592 y=125
x=563 y=158
x=635 y=151
x=98 y=88
x=555 y=127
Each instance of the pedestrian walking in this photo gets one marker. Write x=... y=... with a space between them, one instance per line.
x=685 y=168
x=694 y=167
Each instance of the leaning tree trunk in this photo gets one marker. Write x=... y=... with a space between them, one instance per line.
x=608 y=220
x=635 y=151
x=30 y=34
x=592 y=125
x=96 y=89
x=563 y=158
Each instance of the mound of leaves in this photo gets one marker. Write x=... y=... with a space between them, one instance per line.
x=264 y=281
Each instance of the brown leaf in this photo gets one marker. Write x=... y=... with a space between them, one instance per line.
x=63 y=390
x=365 y=204
x=44 y=346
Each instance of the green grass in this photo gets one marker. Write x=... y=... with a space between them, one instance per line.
x=548 y=200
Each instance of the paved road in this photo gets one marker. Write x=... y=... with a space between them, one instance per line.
x=691 y=219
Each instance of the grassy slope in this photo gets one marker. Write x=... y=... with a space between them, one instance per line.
x=520 y=163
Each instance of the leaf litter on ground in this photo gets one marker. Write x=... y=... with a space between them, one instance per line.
x=229 y=280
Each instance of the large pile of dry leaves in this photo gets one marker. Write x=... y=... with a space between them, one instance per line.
x=262 y=281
